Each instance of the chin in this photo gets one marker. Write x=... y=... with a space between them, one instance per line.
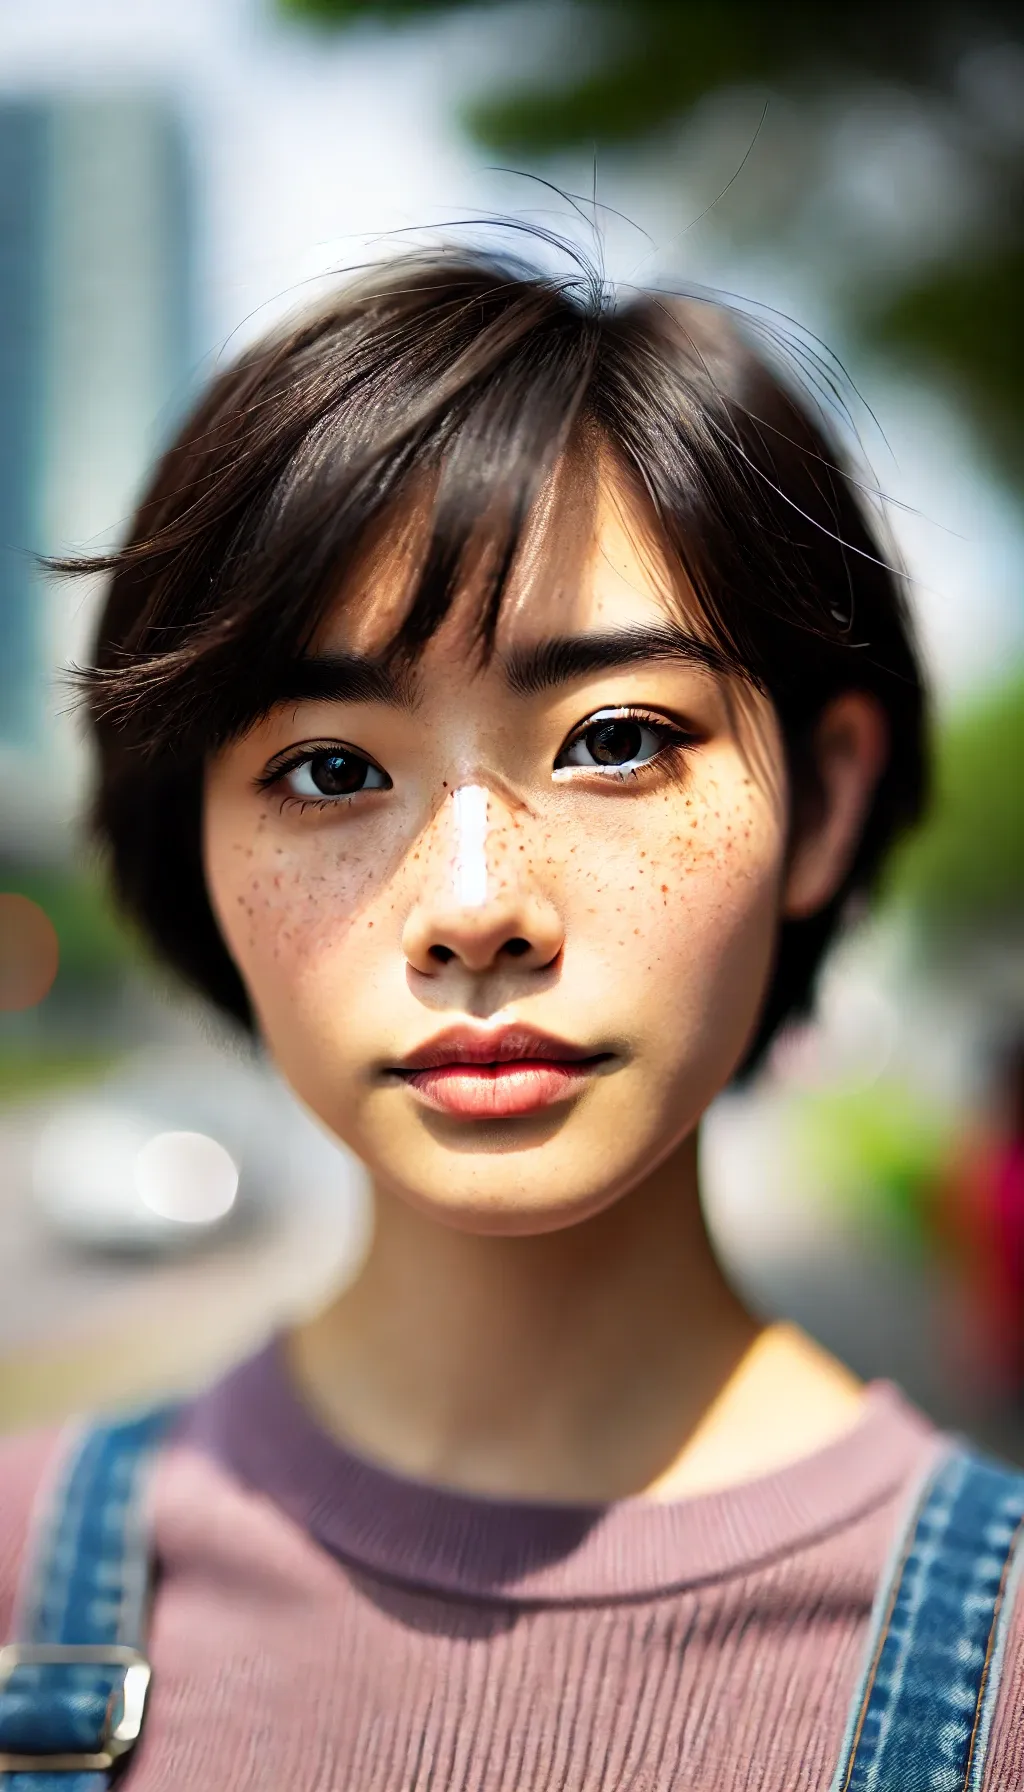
x=511 y=1181
x=506 y=1212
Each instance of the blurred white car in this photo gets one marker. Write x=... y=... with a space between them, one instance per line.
x=172 y=1152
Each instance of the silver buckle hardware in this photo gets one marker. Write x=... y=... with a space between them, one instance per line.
x=119 y=1739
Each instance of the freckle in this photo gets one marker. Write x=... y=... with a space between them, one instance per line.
x=664 y=889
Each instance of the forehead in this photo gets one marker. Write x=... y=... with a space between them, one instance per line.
x=589 y=561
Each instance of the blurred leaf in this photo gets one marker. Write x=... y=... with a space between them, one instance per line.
x=662 y=55
x=885 y=1150
x=967 y=863
x=384 y=12
x=965 y=318
x=25 y=1071
x=660 y=62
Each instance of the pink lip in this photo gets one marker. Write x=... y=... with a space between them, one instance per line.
x=496 y=1076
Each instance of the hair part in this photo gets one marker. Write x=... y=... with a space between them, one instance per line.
x=458 y=385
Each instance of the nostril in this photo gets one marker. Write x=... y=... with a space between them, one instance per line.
x=515 y=948
x=441 y=954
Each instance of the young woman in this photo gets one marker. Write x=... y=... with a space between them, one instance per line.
x=499 y=698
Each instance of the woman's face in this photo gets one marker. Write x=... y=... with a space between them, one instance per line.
x=507 y=931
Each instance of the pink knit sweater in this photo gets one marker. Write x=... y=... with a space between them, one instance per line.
x=324 y=1626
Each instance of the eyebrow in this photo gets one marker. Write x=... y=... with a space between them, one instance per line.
x=530 y=670
x=355 y=678
x=340 y=678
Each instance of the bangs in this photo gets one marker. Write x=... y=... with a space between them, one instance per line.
x=451 y=422
x=453 y=394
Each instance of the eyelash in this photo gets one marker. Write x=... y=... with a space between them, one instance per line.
x=669 y=760
x=278 y=770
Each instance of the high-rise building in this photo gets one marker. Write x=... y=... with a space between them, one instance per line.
x=24 y=142
x=96 y=233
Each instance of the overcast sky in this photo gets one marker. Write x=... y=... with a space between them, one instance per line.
x=309 y=151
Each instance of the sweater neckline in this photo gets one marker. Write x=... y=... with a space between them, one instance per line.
x=255 y=1424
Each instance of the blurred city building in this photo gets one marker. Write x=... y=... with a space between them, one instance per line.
x=96 y=341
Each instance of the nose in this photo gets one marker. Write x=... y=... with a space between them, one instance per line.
x=478 y=903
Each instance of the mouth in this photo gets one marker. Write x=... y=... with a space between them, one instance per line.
x=498 y=1075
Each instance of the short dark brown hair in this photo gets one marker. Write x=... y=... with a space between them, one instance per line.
x=470 y=377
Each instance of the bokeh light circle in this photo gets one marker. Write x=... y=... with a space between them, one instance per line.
x=29 y=953
x=186 y=1176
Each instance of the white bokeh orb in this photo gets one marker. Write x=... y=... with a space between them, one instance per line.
x=186 y=1176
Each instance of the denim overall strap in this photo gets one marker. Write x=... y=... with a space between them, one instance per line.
x=922 y=1715
x=73 y=1684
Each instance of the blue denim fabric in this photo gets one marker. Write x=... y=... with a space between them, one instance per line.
x=90 y=1578
x=921 y=1718
x=919 y=1723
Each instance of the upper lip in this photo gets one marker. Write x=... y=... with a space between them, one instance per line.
x=503 y=1045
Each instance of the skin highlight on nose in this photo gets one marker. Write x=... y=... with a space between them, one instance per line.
x=470 y=809
x=476 y=904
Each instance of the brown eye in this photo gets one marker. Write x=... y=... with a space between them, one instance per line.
x=617 y=743
x=334 y=772
x=614 y=743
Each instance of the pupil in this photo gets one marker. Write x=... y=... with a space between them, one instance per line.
x=337 y=774
x=614 y=743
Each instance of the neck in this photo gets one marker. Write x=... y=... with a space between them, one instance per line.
x=585 y=1364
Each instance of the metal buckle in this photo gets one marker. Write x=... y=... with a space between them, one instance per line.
x=118 y=1740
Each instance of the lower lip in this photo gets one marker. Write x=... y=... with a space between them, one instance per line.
x=499 y=1091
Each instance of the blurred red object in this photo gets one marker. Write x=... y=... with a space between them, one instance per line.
x=983 y=1220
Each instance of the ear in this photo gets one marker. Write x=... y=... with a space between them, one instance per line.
x=849 y=749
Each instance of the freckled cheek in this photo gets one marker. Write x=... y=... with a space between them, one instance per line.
x=284 y=911
x=707 y=868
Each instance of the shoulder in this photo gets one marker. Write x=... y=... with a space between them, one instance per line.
x=28 y=1460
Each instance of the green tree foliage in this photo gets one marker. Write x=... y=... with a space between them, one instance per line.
x=648 y=62
x=965 y=320
x=967 y=863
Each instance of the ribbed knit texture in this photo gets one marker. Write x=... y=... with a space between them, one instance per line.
x=324 y=1626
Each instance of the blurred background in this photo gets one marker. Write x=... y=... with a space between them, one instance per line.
x=177 y=174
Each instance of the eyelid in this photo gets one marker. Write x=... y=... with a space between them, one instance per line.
x=290 y=758
x=669 y=759
x=634 y=712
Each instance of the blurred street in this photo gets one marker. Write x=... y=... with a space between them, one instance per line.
x=82 y=1326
